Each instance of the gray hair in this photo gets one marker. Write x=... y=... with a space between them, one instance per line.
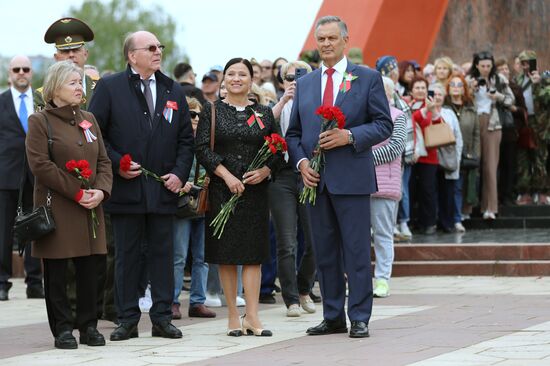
x=389 y=85
x=57 y=75
x=333 y=19
x=438 y=86
x=297 y=65
x=128 y=45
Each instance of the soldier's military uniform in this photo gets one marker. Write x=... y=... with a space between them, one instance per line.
x=532 y=173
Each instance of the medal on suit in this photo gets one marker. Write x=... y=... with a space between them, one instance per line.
x=346 y=82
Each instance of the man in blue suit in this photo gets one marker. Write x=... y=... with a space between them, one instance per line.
x=340 y=218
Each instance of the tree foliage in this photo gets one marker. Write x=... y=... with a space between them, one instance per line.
x=112 y=21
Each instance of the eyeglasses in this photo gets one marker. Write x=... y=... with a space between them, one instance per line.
x=266 y=67
x=194 y=114
x=290 y=77
x=17 y=70
x=152 y=48
x=458 y=85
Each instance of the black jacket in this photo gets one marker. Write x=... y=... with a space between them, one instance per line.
x=12 y=144
x=158 y=145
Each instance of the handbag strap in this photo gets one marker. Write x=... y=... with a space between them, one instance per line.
x=22 y=183
x=212 y=139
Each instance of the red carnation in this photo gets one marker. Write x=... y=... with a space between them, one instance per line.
x=86 y=173
x=125 y=162
x=268 y=139
x=82 y=165
x=70 y=165
x=273 y=149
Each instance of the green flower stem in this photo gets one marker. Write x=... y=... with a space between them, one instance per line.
x=149 y=173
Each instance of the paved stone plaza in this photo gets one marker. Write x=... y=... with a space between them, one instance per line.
x=426 y=321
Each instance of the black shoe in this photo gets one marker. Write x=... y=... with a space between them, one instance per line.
x=4 y=290
x=358 y=329
x=277 y=289
x=65 y=340
x=316 y=299
x=35 y=292
x=328 y=327
x=165 y=329
x=267 y=299
x=124 y=331
x=92 y=337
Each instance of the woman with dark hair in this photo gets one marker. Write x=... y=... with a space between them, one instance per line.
x=461 y=102
x=489 y=89
x=245 y=240
x=277 y=80
x=406 y=74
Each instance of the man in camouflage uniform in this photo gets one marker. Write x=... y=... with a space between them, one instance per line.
x=532 y=173
x=69 y=35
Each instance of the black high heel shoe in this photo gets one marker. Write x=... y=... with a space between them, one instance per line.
x=234 y=332
x=250 y=330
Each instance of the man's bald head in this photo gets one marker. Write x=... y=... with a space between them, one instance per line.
x=143 y=52
x=20 y=73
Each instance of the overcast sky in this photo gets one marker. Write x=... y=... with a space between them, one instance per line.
x=209 y=31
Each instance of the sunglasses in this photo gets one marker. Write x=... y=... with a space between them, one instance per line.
x=18 y=69
x=290 y=77
x=458 y=85
x=194 y=114
x=152 y=48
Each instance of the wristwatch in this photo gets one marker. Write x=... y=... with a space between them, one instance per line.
x=351 y=139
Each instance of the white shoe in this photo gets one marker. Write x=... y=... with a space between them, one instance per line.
x=240 y=301
x=293 y=311
x=404 y=230
x=145 y=303
x=459 y=228
x=213 y=301
x=488 y=215
x=307 y=304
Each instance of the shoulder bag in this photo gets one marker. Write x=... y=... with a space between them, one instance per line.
x=195 y=203
x=438 y=135
x=34 y=225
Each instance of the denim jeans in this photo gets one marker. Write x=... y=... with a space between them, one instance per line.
x=404 y=213
x=286 y=213
x=382 y=211
x=458 y=200
x=186 y=232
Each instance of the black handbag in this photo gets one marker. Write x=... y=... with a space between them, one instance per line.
x=34 y=225
x=446 y=156
x=505 y=116
x=469 y=161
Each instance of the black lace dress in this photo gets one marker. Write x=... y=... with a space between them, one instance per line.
x=245 y=239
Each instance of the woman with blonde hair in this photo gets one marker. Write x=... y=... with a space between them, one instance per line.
x=443 y=68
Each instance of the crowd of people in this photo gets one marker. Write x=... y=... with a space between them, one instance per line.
x=132 y=125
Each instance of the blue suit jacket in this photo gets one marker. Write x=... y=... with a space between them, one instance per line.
x=348 y=169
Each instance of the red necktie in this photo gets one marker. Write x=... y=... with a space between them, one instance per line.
x=328 y=95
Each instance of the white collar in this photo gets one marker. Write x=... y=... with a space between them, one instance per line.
x=152 y=77
x=340 y=67
x=16 y=93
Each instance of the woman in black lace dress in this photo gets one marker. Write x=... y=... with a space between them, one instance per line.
x=245 y=240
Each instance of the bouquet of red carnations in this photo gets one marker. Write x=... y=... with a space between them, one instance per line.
x=332 y=118
x=273 y=143
x=83 y=172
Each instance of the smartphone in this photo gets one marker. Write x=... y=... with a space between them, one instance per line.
x=299 y=73
x=532 y=65
x=431 y=93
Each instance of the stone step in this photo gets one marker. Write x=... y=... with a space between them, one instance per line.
x=525 y=211
x=534 y=222
x=472 y=251
x=472 y=268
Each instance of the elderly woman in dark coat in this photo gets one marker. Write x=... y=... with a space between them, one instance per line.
x=73 y=238
x=245 y=239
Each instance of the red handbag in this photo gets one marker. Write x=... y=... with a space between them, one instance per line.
x=526 y=138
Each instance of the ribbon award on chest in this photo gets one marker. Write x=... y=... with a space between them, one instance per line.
x=346 y=81
x=85 y=125
x=169 y=109
x=256 y=118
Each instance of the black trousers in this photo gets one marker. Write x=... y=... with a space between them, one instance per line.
x=507 y=170
x=425 y=194
x=57 y=302
x=131 y=231
x=8 y=211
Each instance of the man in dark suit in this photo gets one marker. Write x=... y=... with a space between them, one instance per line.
x=144 y=113
x=16 y=105
x=340 y=218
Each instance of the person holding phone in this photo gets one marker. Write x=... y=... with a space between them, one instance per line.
x=532 y=182
x=286 y=212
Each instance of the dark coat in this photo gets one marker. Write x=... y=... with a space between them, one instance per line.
x=12 y=143
x=73 y=234
x=158 y=145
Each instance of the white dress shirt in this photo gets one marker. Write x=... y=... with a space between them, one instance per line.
x=337 y=77
x=152 y=85
x=17 y=101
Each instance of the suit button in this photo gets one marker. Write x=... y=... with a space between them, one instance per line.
x=72 y=122
x=239 y=157
x=79 y=143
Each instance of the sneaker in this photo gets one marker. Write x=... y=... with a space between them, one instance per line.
x=404 y=230
x=293 y=311
x=381 y=288
x=307 y=304
x=459 y=228
x=488 y=215
x=213 y=301
x=240 y=302
x=524 y=199
x=465 y=217
x=145 y=302
x=267 y=299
